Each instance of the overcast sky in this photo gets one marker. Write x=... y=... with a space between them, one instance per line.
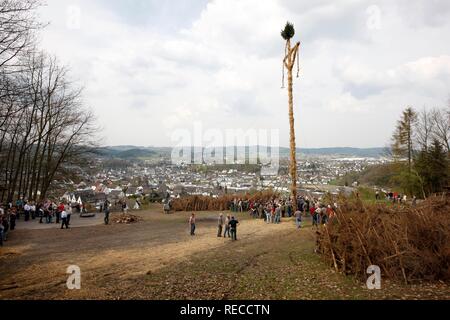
x=150 y=66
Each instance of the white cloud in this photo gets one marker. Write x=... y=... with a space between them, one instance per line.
x=221 y=64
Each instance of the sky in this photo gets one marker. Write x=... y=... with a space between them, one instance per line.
x=150 y=68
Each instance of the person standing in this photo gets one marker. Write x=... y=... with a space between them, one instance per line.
x=27 y=209
x=59 y=209
x=220 y=223
x=5 y=224
x=227 y=226
x=40 y=212
x=12 y=220
x=324 y=215
x=107 y=203
x=33 y=210
x=166 y=207
x=68 y=210
x=49 y=211
x=192 y=224
x=1 y=231
x=64 y=220
x=289 y=208
x=298 y=219
x=278 y=214
x=233 y=228
x=316 y=215
x=106 y=208
x=331 y=213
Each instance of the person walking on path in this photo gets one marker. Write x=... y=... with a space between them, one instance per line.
x=220 y=223
x=192 y=224
x=64 y=220
x=227 y=226
x=106 y=219
x=298 y=219
x=233 y=228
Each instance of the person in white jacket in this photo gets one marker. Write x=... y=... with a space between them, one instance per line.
x=64 y=221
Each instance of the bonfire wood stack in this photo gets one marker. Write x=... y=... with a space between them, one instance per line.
x=205 y=203
x=407 y=243
x=126 y=218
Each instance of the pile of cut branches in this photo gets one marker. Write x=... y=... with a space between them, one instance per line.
x=407 y=243
x=206 y=203
x=126 y=218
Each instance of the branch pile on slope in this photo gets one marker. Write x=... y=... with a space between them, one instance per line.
x=407 y=243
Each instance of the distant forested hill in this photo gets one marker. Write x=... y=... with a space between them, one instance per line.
x=129 y=152
x=123 y=152
x=345 y=151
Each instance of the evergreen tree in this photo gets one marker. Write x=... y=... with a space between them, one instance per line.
x=433 y=167
x=402 y=146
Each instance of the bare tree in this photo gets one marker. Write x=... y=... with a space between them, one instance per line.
x=17 y=23
x=424 y=129
x=48 y=128
x=441 y=129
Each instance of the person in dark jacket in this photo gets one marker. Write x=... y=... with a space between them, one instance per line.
x=233 y=228
x=12 y=220
x=106 y=219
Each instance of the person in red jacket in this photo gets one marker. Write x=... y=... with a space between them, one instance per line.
x=59 y=209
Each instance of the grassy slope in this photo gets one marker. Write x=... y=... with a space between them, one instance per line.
x=282 y=266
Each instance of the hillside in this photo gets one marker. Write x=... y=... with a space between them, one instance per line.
x=127 y=152
x=382 y=175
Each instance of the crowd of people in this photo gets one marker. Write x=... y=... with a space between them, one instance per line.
x=226 y=224
x=273 y=210
x=396 y=197
x=46 y=211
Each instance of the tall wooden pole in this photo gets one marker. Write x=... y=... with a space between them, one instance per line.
x=289 y=61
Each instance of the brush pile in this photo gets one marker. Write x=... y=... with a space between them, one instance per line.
x=206 y=203
x=407 y=243
x=126 y=218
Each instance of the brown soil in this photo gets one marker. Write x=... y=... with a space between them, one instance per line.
x=156 y=258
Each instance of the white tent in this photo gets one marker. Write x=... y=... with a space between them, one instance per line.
x=73 y=200
x=79 y=201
